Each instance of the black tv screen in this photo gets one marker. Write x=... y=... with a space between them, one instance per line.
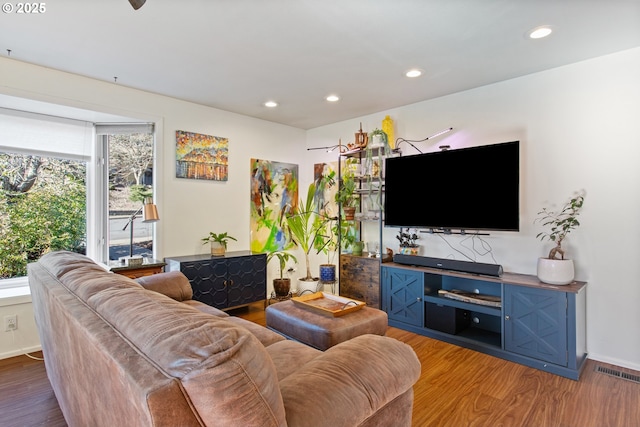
x=468 y=189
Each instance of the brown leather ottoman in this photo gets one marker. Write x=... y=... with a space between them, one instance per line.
x=323 y=331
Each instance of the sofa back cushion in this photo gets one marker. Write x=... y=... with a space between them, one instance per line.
x=225 y=371
x=81 y=275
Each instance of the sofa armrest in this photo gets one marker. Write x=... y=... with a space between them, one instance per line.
x=173 y=284
x=350 y=382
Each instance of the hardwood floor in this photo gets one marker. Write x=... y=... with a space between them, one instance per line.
x=458 y=387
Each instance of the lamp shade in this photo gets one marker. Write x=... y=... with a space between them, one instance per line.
x=150 y=211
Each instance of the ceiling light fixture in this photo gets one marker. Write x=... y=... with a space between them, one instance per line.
x=413 y=73
x=333 y=98
x=540 y=32
x=271 y=104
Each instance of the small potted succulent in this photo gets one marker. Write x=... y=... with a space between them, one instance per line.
x=554 y=268
x=218 y=242
x=408 y=245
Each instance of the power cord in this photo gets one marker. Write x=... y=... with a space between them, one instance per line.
x=13 y=339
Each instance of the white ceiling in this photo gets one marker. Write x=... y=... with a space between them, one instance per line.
x=236 y=54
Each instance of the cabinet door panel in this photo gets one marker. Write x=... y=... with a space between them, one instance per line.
x=536 y=323
x=207 y=281
x=246 y=281
x=404 y=293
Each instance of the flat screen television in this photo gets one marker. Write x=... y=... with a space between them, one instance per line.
x=465 y=189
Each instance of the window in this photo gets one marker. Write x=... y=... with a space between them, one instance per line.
x=43 y=192
x=73 y=185
x=129 y=157
x=42 y=209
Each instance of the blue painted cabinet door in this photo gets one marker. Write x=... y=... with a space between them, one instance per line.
x=403 y=292
x=536 y=323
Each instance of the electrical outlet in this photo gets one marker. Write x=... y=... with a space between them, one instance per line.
x=11 y=323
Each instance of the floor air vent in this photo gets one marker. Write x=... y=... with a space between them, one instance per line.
x=615 y=373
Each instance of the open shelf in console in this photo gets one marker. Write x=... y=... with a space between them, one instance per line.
x=435 y=299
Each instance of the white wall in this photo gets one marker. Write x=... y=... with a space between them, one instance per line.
x=188 y=209
x=579 y=129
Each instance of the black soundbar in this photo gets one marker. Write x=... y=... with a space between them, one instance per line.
x=450 y=264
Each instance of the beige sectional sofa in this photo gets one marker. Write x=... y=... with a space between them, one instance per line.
x=120 y=352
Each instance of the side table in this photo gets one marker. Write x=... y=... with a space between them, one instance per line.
x=147 y=268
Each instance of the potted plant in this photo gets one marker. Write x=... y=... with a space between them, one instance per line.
x=307 y=224
x=346 y=197
x=408 y=245
x=555 y=269
x=281 y=285
x=218 y=242
x=377 y=138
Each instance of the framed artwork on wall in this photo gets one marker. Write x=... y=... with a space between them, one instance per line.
x=274 y=192
x=201 y=156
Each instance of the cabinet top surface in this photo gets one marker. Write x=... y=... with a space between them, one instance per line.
x=202 y=257
x=508 y=278
x=146 y=263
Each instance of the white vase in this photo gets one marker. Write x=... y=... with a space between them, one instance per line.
x=555 y=271
x=306 y=287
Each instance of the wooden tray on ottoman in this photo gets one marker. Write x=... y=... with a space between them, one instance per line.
x=328 y=304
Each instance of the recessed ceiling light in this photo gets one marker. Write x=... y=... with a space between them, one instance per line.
x=271 y=104
x=413 y=73
x=540 y=32
x=333 y=98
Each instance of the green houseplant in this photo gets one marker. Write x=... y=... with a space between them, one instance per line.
x=307 y=225
x=281 y=285
x=555 y=269
x=346 y=197
x=218 y=242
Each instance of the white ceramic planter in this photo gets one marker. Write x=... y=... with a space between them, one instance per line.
x=306 y=287
x=555 y=271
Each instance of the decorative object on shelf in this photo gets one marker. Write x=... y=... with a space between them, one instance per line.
x=555 y=269
x=281 y=285
x=408 y=245
x=361 y=138
x=218 y=242
x=373 y=249
x=307 y=223
x=377 y=139
x=201 y=156
x=149 y=214
x=387 y=127
x=357 y=248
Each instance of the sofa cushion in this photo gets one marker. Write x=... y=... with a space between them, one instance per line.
x=205 y=308
x=290 y=355
x=215 y=360
x=173 y=284
x=266 y=336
